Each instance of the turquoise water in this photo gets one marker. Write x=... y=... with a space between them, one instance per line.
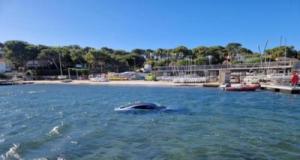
x=79 y=122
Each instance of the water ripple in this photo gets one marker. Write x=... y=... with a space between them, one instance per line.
x=218 y=125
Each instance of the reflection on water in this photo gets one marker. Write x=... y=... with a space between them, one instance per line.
x=79 y=122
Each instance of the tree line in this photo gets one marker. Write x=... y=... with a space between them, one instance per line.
x=20 y=53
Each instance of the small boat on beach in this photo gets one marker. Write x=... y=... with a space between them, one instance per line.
x=189 y=80
x=98 y=78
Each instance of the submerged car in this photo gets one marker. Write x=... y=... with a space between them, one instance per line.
x=141 y=107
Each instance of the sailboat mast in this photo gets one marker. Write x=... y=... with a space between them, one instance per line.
x=266 y=56
x=261 y=58
x=285 y=47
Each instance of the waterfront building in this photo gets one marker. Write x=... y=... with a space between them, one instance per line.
x=3 y=65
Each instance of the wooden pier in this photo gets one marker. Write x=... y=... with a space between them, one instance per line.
x=280 y=88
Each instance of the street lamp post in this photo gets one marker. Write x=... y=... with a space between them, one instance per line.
x=209 y=59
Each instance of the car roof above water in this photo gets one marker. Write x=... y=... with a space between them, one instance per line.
x=142 y=106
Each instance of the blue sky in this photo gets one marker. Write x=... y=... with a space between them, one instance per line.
x=129 y=24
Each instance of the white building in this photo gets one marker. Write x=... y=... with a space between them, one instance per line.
x=3 y=67
x=239 y=58
x=147 y=68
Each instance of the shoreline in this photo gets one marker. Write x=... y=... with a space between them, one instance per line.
x=116 y=83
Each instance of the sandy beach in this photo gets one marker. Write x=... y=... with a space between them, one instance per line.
x=133 y=82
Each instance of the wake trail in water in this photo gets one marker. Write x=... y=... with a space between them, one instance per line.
x=35 y=92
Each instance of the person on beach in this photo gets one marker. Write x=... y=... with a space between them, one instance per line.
x=294 y=79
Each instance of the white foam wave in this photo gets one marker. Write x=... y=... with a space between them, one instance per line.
x=60 y=158
x=61 y=114
x=42 y=158
x=56 y=129
x=12 y=153
x=33 y=92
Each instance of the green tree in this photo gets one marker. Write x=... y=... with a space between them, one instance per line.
x=149 y=53
x=233 y=49
x=17 y=53
x=245 y=51
x=138 y=51
x=163 y=62
x=181 y=52
x=50 y=54
x=134 y=60
x=120 y=52
x=66 y=58
x=90 y=59
x=253 y=58
x=107 y=50
x=218 y=54
x=99 y=61
x=77 y=55
x=200 y=60
x=281 y=51
x=200 y=52
x=32 y=52
x=161 y=54
x=103 y=59
x=87 y=49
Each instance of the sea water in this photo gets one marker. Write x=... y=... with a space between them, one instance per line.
x=79 y=122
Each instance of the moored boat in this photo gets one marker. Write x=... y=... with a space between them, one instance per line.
x=251 y=87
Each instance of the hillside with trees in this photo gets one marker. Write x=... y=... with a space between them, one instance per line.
x=45 y=59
